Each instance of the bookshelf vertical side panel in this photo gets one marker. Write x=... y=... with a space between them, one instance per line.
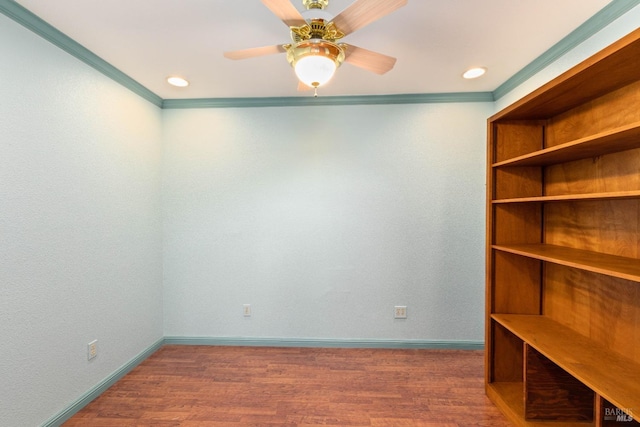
x=507 y=355
x=516 y=284
x=514 y=182
x=513 y=139
x=517 y=223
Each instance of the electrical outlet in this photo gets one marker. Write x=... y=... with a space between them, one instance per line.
x=246 y=310
x=400 y=312
x=92 y=349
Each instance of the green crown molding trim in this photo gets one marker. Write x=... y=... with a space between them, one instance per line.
x=326 y=343
x=103 y=385
x=601 y=19
x=30 y=21
x=597 y=22
x=304 y=101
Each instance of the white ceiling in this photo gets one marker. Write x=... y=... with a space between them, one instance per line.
x=433 y=40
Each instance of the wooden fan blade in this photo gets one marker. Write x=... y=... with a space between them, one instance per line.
x=364 y=12
x=255 y=51
x=287 y=12
x=369 y=60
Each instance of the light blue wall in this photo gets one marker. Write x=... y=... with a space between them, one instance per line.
x=322 y=231
x=80 y=226
x=324 y=218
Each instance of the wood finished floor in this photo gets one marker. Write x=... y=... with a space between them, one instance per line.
x=205 y=386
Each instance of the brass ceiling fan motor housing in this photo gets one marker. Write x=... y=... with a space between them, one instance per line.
x=316 y=29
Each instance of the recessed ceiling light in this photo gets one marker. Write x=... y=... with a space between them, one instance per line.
x=473 y=73
x=177 y=81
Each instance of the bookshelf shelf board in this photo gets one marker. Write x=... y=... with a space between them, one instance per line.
x=614 y=195
x=611 y=141
x=610 y=265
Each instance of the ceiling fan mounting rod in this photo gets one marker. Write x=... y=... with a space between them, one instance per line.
x=315 y=4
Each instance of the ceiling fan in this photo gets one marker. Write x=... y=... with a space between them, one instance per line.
x=315 y=51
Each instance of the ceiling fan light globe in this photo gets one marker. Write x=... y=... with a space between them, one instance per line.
x=315 y=70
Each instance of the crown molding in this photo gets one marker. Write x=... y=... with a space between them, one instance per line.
x=597 y=22
x=604 y=17
x=299 y=101
x=32 y=22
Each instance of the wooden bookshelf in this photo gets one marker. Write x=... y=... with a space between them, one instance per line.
x=563 y=247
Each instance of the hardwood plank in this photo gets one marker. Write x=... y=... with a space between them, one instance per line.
x=261 y=386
